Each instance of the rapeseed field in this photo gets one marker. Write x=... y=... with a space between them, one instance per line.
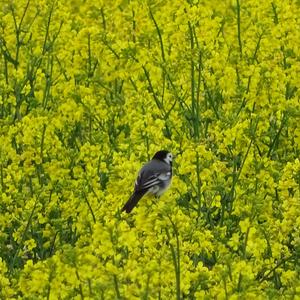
x=90 y=90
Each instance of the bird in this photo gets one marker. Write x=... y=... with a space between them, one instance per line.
x=154 y=177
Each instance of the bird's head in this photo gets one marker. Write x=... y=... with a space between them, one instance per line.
x=164 y=155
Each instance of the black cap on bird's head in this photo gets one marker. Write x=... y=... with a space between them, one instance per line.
x=163 y=155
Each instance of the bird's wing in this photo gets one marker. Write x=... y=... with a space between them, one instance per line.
x=148 y=178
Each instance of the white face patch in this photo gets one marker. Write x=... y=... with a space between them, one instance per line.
x=169 y=158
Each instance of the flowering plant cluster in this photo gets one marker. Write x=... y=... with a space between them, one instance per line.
x=90 y=90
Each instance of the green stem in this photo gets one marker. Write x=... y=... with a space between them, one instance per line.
x=276 y=138
x=225 y=288
x=238 y=7
x=117 y=287
x=80 y=285
x=245 y=242
x=236 y=177
x=146 y=293
x=12 y=264
x=42 y=143
x=239 y=287
x=89 y=58
x=279 y=264
x=103 y=18
x=159 y=35
x=194 y=112
x=47 y=28
x=274 y=8
x=175 y=257
x=158 y=103
x=48 y=84
x=133 y=26
x=2 y=179
x=90 y=207
x=198 y=184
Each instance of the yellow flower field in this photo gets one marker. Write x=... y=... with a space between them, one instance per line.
x=90 y=90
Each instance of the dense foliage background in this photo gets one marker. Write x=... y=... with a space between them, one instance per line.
x=89 y=90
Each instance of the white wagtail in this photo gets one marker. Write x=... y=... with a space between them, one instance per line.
x=154 y=177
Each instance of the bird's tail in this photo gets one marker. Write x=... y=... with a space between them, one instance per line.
x=133 y=200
